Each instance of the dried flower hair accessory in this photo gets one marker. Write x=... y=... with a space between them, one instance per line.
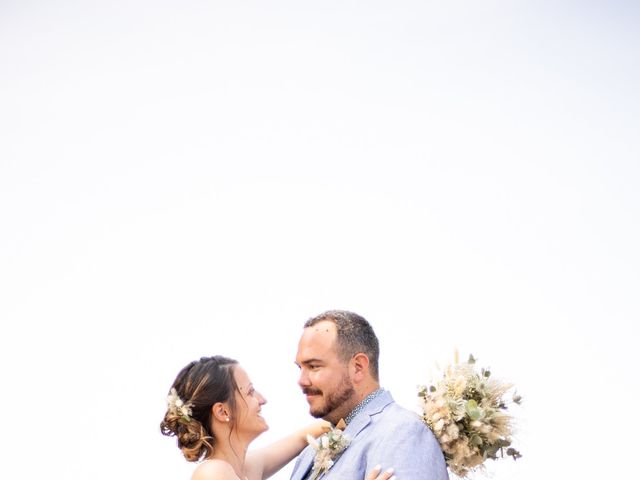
x=178 y=407
x=328 y=447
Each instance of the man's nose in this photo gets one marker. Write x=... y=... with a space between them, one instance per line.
x=303 y=380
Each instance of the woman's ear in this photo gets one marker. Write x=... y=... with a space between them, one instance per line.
x=220 y=412
x=359 y=367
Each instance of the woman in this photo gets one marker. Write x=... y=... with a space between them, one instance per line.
x=214 y=411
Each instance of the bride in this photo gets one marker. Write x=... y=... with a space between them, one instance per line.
x=214 y=412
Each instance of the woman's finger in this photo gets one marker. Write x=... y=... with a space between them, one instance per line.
x=377 y=474
x=373 y=474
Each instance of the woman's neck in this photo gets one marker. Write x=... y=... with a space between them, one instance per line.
x=233 y=451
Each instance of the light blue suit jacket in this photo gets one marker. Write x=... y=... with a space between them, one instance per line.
x=383 y=433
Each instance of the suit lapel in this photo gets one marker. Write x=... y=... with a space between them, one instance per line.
x=357 y=425
x=360 y=421
x=353 y=429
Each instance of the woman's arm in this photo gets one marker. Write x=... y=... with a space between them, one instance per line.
x=270 y=459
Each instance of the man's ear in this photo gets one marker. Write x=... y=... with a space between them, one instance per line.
x=359 y=367
x=220 y=412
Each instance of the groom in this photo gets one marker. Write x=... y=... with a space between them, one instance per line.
x=338 y=361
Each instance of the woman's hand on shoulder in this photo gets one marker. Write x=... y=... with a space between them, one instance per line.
x=378 y=474
x=317 y=428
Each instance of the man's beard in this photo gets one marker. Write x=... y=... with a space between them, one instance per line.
x=335 y=399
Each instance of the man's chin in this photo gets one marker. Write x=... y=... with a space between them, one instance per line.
x=317 y=412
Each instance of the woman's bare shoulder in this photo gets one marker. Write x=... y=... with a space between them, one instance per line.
x=214 y=470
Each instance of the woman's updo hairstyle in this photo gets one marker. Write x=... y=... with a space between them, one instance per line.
x=199 y=386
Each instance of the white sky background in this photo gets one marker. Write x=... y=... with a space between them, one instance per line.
x=190 y=178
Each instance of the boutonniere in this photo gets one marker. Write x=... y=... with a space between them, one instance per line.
x=328 y=447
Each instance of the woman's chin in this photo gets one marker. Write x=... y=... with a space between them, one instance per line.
x=264 y=426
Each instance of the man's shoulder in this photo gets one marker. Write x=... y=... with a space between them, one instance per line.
x=400 y=414
x=386 y=416
x=395 y=437
x=402 y=431
x=402 y=421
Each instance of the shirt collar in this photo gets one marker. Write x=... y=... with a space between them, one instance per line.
x=363 y=404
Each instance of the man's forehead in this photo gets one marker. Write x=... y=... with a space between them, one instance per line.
x=317 y=343
x=321 y=335
x=324 y=331
x=323 y=327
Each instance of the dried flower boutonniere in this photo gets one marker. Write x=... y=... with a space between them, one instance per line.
x=328 y=447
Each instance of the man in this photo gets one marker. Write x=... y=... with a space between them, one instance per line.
x=338 y=360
